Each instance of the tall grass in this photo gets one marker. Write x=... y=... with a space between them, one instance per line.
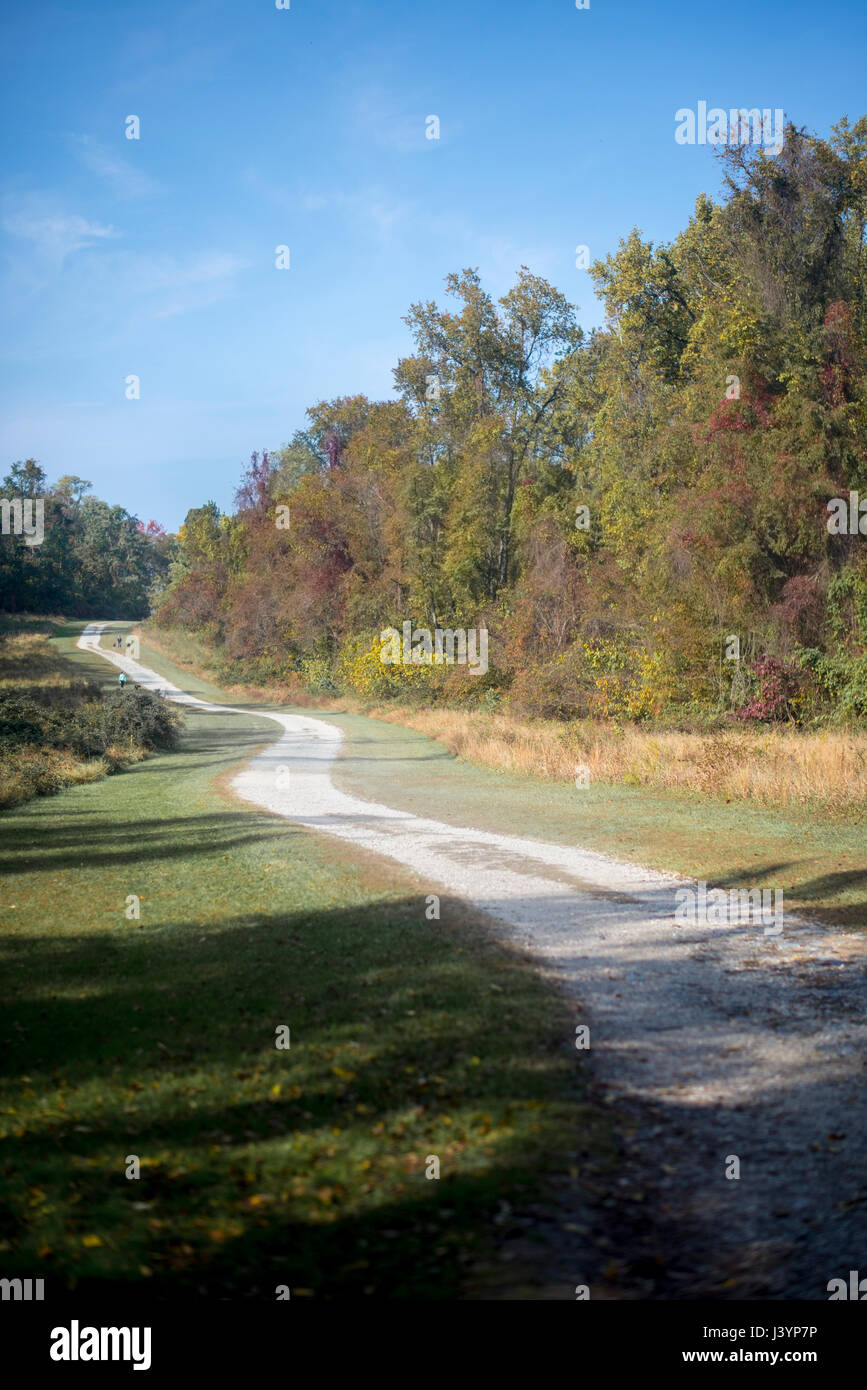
x=773 y=767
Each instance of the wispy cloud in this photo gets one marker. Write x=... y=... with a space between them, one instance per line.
x=373 y=206
x=176 y=287
x=54 y=234
x=381 y=213
x=107 y=288
x=376 y=118
x=122 y=176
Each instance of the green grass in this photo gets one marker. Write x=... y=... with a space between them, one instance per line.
x=54 y=733
x=156 y=1038
x=819 y=862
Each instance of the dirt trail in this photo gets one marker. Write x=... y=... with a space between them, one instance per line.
x=711 y=1041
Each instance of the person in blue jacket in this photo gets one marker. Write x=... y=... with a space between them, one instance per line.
x=121 y=680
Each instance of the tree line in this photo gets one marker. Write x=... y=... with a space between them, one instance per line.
x=640 y=515
x=88 y=559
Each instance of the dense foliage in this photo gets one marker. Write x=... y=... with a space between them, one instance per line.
x=638 y=514
x=90 y=725
x=94 y=561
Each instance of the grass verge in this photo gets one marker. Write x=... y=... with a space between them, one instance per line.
x=57 y=727
x=154 y=1036
x=819 y=860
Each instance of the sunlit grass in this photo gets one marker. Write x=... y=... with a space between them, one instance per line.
x=155 y=1037
x=771 y=767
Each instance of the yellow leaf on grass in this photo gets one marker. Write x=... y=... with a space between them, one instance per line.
x=91 y=1241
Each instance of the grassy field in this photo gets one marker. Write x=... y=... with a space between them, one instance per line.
x=819 y=859
x=155 y=1037
x=819 y=862
x=777 y=767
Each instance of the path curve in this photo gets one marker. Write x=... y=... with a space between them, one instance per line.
x=713 y=1041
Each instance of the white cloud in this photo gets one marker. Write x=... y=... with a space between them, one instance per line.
x=376 y=119
x=373 y=206
x=181 y=286
x=125 y=180
x=54 y=235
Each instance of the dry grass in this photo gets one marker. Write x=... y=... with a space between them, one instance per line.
x=771 y=767
x=27 y=772
x=32 y=669
x=777 y=767
x=28 y=661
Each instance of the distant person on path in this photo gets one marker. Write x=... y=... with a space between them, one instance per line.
x=121 y=680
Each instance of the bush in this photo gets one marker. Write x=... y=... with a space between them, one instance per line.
x=842 y=680
x=361 y=670
x=23 y=721
x=132 y=718
x=605 y=678
x=778 y=695
x=552 y=691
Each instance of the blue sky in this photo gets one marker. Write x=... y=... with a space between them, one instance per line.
x=306 y=127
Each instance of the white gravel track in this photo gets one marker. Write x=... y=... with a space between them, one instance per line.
x=723 y=1039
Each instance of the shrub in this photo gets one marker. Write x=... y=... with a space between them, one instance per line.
x=778 y=691
x=553 y=691
x=23 y=721
x=628 y=682
x=316 y=673
x=132 y=718
x=360 y=668
x=841 y=679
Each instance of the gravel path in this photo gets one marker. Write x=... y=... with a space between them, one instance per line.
x=710 y=1041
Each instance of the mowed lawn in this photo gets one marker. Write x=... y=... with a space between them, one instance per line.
x=155 y=1038
x=818 y=859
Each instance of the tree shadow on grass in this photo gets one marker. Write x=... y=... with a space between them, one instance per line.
x=395 y=1023
x=390 y=1029
x=31 y=847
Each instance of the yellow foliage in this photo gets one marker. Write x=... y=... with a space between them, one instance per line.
x=361 y=668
